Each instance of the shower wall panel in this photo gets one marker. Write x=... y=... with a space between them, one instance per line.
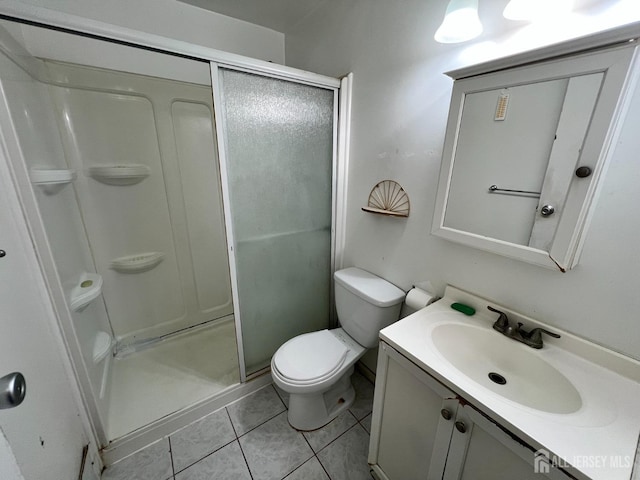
x=133 y=124
x=35 y=124
x=193 y=134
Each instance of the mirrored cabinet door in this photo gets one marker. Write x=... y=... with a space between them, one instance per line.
x=524 y=151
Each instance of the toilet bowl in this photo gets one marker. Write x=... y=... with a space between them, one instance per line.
x=315 y=368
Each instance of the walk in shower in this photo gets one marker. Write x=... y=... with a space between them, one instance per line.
x=180 y=251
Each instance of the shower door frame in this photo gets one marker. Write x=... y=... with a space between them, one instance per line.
x=24 y=13
x=301 y=78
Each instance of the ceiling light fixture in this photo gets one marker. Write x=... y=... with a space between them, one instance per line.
x=461 y=22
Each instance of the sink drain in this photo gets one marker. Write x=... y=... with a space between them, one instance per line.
x=497 y=378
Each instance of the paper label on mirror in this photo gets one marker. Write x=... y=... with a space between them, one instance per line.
x=501 y=108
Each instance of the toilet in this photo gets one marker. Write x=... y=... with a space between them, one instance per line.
x=315 y=368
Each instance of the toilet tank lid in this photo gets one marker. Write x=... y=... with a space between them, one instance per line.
x=369 y=287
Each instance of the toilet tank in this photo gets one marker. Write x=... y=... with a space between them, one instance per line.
x=365 y=304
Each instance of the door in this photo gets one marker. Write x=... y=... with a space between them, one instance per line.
x=45 y=432
x=277 y=143
x=481 y=450
x=413 y=418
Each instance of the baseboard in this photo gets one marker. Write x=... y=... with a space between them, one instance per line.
x=91 y=466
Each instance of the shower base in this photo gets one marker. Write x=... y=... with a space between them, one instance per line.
x=171 y=375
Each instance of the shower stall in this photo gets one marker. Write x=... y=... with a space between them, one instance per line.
x=183 y=212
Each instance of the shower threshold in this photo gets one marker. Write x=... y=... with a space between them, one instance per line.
x=126 y=348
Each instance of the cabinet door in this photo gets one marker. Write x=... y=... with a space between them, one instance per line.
x=410 y=434
x=480 y=450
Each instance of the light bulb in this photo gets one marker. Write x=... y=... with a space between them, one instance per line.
x=461 y=22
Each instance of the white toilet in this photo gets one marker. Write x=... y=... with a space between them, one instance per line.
x=316 y=368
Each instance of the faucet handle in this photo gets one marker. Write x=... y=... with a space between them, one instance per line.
x=538 y=331
x=502 y=323
x=535 y=337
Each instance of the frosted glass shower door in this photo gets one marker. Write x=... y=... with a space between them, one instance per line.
x=278 y=140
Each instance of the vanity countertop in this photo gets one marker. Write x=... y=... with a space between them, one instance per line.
x=599 y=439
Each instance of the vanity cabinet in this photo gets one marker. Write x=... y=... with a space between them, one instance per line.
x=423 y=430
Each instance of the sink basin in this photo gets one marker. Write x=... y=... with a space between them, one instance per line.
x=509 y=368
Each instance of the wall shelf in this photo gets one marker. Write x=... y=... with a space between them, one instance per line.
x=89 y=288
x=119 y=175
x=137 y=263
x=384 y=212
x=51 y=180
x=102 y=346
x=388 y=198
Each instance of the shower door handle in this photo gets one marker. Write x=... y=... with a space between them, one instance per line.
x=13 y=389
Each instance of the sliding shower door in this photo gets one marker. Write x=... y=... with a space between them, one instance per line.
x=277 y=141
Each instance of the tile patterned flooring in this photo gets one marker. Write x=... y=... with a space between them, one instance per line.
x=251 y=439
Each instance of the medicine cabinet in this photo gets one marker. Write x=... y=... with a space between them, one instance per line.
x=525 y=149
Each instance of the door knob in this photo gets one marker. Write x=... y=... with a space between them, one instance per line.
x=547 y=210
x=461 y=427
x=446 y=414
x=13 y=388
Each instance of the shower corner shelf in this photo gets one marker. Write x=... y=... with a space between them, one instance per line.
x=89 y=288
x=119 y=175
x=51 y=180
x=137 y=263
x=102 y=346
x=388 y=198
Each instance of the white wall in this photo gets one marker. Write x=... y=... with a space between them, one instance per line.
x=179 y=21
x=400 y=107
x=9 y=468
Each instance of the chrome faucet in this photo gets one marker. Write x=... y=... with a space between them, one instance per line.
x=532 y=338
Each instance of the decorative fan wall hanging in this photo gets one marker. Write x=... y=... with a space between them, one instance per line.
x=388 y=198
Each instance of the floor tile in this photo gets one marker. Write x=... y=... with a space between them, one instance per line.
x=318 y=439
x=366 y=423
x=152 y=463
x=346 y=458
x=311 y=470
x=225 y=464
x=257 y=408
x=363 y=404
x=274 y=449
x=199 y=439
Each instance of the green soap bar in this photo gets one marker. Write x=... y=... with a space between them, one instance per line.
x=461 y=307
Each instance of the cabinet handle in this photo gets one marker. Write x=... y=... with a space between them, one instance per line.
x=446 y=414
x=461 y=427
x=547 y=210
x=583 y=172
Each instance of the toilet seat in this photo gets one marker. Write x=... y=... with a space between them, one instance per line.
x=310 y=358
